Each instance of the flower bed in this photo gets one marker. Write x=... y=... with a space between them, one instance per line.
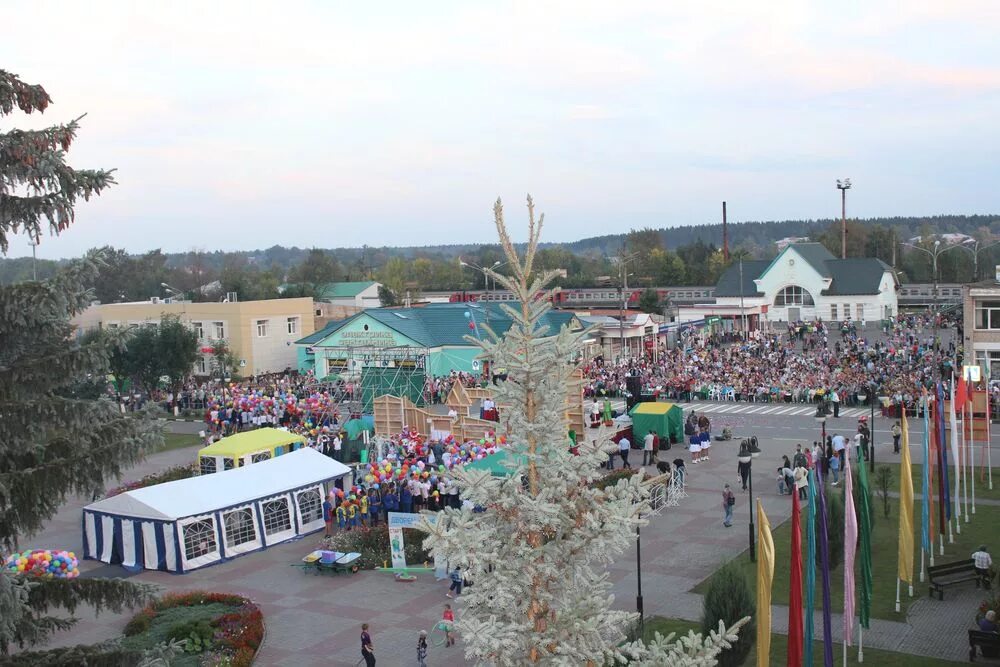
x=168 y=475
x=224 y=628
x=373 y=545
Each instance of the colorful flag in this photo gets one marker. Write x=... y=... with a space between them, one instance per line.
x=925 y=509
x=944 y=487
x=955 y=454
x=824 y=567
x=865 y=519
x=810 y=631
x=795 y=589
x=765 y=576
x=850 y=546
x=961 y=394
x=904 y=569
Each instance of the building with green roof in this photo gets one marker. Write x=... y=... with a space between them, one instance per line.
x=431 y=338
x=805 y=282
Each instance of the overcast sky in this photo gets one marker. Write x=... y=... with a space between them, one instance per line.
x=243 y=125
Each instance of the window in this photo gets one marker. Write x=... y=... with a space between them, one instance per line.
x=793 y=295
x=199 y=538
x=833 y=311
x=847 y=311
x=239 y=527
x=261 y=328
x=276 y=516
x=988 y=314
x=201 y=366
x=199 y=330
x=260 y=456
x=220 y=330
x=310 y=506
x=207 y=465
x=293 y=325
x=860 y=307
x=228 y=464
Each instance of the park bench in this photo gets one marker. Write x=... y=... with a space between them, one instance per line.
x=949 y=574
x=988 y=643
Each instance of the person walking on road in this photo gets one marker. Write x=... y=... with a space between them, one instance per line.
x=623 y=448
x=648 y=454
x=728 y=501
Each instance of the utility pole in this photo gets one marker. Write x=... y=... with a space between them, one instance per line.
x=843 y=186
x=622 y=297
x=725 y=236
x=743 y=312
x=34 y=260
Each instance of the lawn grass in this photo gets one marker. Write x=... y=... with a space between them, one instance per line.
x=916 y=471
x=885 y=533
x=179 y=441
x=779 y=648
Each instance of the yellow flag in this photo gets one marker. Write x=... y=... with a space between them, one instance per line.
x=905 y=557
x=765 y=575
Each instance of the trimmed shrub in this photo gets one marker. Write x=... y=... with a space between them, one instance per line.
x=729 y=599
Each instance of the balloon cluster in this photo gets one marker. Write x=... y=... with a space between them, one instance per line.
x=410 y=445
x=259 y=402
x=44 y=563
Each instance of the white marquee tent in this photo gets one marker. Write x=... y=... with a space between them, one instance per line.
x=190 y=523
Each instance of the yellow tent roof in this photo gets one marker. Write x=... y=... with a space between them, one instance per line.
x=250 y=441
x=653 y=408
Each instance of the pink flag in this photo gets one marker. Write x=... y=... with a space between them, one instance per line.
x=850 y=545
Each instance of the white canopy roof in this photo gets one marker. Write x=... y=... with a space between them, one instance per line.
x=207 y=493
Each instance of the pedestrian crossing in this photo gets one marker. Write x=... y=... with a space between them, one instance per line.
x=769 y=409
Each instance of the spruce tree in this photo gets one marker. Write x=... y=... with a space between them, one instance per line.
x=53 y=441
x=539 y=549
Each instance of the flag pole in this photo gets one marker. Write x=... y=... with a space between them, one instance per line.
x=989 y=439
x=897 y=594
x=965 y=461
x=861 y=644
x=972 y=456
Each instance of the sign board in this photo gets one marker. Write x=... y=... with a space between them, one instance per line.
x=397 y=522
x=971 y=373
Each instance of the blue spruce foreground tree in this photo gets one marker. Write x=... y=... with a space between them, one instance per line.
x=54 y=439
x=539 y=549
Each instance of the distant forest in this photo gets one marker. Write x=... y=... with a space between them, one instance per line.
x=688 y=255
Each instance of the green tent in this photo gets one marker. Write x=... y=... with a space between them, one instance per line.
x=666 y=419
x=494 y=463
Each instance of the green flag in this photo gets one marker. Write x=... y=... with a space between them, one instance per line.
x=865 y=546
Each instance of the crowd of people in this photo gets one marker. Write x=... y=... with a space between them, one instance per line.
x=805 y=363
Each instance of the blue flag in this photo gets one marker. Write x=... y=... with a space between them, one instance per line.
x=810 y=631
x=943 y=486
x=824 y=566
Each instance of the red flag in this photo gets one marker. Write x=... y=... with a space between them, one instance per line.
x=795 y=594
x=961 y=395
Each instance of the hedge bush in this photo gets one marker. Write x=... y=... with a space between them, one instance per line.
x=729 y=599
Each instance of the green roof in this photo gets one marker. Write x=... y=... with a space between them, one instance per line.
x=498 y=464
x=856 y=276
x=729 y=281
x=343 y=290
x=441 y=324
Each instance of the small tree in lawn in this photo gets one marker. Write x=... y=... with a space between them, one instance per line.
x=52 y=441
x=539 y=549
x=729 y=599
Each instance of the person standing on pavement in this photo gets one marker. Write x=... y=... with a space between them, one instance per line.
x=422 y=649
x=728 y=501
x=647 y=449
x=897 y=432
x=835 y=400
x=623 y=448
x=799 y=459
x=367 y=647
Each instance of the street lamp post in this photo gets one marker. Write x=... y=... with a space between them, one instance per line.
x=937 y=251
x=34 y=260
x=486 y=279
x=843 y=186
x=748 y=452
x=974 y=247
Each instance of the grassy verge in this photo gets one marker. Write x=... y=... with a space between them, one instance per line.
x=779 y=648
x=179 y=441
x=916 y=471
x=885 y=533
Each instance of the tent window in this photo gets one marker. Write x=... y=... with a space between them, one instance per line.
x=260 y=456
x=199 y=539
x=228 y=464
x=310 y=506
x=276 y=517
x=207 y=465
x=239 y=527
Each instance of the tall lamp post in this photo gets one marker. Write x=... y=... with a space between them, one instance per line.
x=871 y=424
x=34 y=260
x=933 y=254
x=747 y=454
x=975 y=248
x=486 y=278
x=843 y=186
